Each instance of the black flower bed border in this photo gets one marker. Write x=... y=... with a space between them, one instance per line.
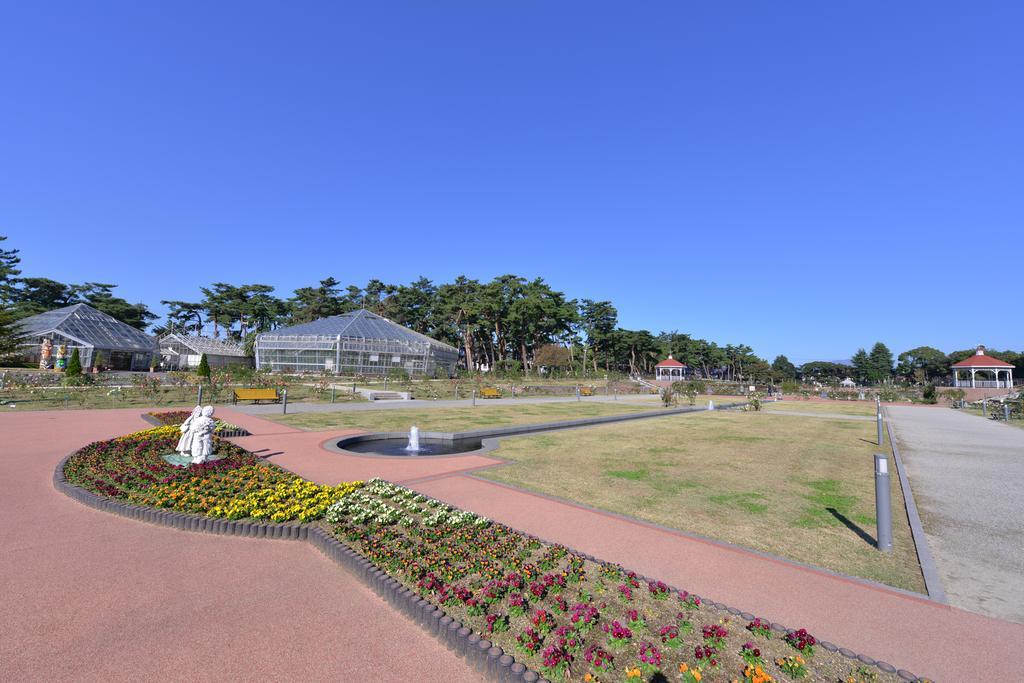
x=224 y=433
x=486 y=658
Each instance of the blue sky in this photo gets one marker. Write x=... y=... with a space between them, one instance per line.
x=802 y=177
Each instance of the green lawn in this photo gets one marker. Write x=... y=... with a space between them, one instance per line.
x=797 y=487
x=837 y=407
x=496 y=414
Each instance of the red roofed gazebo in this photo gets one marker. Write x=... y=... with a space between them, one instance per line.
x=993 y=373
x=669 y=370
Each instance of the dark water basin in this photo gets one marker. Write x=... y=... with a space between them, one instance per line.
x=398 y=447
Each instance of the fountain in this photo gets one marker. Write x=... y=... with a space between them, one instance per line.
x=414 y=440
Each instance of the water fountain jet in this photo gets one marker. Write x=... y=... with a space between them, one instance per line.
x=414 y=440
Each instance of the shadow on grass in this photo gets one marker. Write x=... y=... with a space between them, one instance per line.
x=852 y=526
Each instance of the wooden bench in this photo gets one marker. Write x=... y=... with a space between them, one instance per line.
x=256 y=395
x=586 y=391
x=490 y=393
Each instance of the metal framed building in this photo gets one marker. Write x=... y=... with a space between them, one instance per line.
x=90 y=331
x=180 y=351
x=356 y=343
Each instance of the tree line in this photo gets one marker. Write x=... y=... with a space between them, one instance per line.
x=510 y=324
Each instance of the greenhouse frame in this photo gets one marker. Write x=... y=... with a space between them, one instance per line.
x=356 y=343
x=180 y=351
x=90 y=331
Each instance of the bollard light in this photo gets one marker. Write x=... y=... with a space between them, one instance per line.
x=879 y=421
x=199 y=400
x=883 y=503
x=284 y=401
x=474 y=397
x=332 y=393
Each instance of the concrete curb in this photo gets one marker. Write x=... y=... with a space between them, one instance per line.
x=930 y=571
x=483 y=656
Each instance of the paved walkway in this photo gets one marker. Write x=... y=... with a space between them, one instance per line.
x=911 y=632
x=92 y=596
x=929 y=639
x=967 y=474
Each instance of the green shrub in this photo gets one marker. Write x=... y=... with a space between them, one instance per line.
x=74 y=368
x=928 y=395
x=204 y=367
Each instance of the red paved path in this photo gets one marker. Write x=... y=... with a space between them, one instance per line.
x=91 y=596
x=929 y=639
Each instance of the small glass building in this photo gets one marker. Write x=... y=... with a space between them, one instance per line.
x=180 y=351
x=90 y=331
x=356 y=343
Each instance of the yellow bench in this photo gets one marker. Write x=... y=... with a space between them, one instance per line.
x=256 y=395
x=490 y=393
x=586 y=391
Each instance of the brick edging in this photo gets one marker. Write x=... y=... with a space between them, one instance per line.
x=487 y=659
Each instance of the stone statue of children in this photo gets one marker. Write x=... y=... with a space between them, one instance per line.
x=202 y=436
x=185 y=442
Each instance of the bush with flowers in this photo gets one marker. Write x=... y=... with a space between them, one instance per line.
x=801 y=640
x=556 y=608
x=237 y=486
x=565 y=613
x=795 y=666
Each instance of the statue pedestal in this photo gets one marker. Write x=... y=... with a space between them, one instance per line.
x=179 y=460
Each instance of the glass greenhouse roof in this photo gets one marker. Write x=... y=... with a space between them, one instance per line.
x=359 y=324
x=89 y=327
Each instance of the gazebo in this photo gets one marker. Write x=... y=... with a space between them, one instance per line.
x=669 y=370
x=986 y=372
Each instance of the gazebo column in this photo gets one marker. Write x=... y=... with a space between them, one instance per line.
x=972 y=378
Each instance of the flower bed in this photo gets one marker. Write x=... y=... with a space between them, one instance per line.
x=562 y=614
x=565 y=615
x=237 y=486
x=177 y=417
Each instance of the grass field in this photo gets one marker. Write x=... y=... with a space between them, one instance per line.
x=458 y=419
x=801 y=488
x=837 y=407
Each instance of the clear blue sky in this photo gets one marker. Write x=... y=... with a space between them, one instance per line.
x=802 y=177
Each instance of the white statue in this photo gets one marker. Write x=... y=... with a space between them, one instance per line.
x=202 y=436
x=185 y=442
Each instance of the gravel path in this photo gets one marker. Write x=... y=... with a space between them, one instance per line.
x=967 y=474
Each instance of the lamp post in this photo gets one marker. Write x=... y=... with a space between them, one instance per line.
x=883 y=504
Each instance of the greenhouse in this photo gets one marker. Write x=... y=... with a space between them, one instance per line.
x=180 y=351
x=356 y=343
x=48 y=339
